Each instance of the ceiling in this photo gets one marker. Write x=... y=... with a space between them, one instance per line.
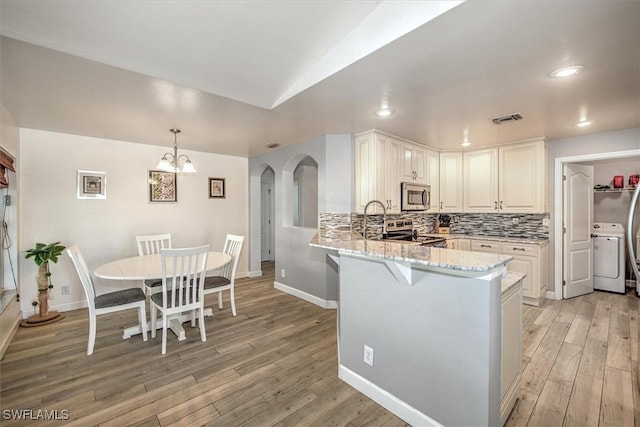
x=238 y=75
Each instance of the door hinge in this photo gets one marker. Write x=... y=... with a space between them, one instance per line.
x=564 y=230
x=564 y=283
x=564 y=177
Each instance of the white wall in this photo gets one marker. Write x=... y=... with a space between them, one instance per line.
x=105 y=230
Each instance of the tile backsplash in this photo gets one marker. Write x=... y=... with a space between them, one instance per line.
x=528 y=225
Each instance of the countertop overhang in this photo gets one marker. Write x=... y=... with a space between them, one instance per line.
x=446 y=260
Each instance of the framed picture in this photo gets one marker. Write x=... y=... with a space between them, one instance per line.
x=216 y=188
x=162 y=187
x=92 y=185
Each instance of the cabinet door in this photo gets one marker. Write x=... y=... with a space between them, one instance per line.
x=464 y=244
x=392 y=176
x=481 y=180
x=433 y=179
x=365 y=172
x=525 y=265
x=521 y=177
x=450 y=182
x=452 y=243
x=413 y=164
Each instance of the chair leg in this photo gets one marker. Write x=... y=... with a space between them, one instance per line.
x=203 y=331
x=193 y=318
x=154 y=313
x=164 y=332
x=92 y=335
x=220 y=300
x=142 y=318
x=233 y=301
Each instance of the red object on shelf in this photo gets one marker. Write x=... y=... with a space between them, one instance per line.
x=618 y=181
x=634 y=180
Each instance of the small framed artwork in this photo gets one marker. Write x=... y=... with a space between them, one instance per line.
x=162 y=187
x=216 y=188
x=92 y=185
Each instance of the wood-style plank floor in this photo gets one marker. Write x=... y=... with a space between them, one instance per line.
x=275 y=364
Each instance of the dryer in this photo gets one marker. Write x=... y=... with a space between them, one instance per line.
x=608 y=257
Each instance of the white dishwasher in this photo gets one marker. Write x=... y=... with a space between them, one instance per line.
x=608 y=257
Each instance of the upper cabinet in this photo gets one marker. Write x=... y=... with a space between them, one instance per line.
x=508 y=179
x=413 y=161
x=433 y=179
x=522 y=182
x=450 y=182
x=377 y=159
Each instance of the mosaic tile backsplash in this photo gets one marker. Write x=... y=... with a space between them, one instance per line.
x=529 y=225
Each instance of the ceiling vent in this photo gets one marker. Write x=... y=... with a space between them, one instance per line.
x=508 y=118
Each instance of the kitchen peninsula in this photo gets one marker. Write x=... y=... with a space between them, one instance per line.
x=433 y=335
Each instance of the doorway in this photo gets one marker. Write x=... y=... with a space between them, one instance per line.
x=563 y=266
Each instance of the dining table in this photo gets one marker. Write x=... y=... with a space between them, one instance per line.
x=148 y=267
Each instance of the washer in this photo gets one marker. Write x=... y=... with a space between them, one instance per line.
x=608 y=257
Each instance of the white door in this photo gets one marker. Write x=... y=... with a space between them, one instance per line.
x=265 y=222
x=578 y=220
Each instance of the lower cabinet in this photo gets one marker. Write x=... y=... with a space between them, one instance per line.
x=532 y=260
x=511 y=367
x=459 y=244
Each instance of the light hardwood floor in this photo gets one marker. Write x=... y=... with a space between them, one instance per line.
x=275 y=364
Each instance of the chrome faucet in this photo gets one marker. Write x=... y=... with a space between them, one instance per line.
x=384 y=217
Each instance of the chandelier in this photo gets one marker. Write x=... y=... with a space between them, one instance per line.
x=171 y=162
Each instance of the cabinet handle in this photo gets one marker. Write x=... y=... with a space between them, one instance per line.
x=440 y=205
x=495 y=205
x=485 y=246
x=500 y=204
x=519 y=249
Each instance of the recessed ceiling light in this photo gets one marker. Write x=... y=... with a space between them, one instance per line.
x=465 y=143
x=566 y=71
x=385 y=112
x=583 y=123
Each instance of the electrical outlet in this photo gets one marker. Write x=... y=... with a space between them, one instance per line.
x=545 y=222
x=282 y=273
x=516 y=221
x=64 y=290
x=368 y=355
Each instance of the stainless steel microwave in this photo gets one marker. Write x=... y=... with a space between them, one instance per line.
x=415 y=197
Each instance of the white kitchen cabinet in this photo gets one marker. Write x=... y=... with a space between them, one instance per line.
x=413 y=161
x=522 y=170
x=511 y=362
x=433 y=179
x=459 y=244
x=532 y=260
x=481 y=180
x=507 y=179
x=376 y=170
x=451 y=182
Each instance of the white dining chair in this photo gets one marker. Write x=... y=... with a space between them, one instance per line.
x=183 y=272
x=151 y=244
x=124 y=299
x=227 y=273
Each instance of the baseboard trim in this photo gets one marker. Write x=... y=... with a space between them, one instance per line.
x=551 y=295
x=387 y=400
x=331 y=305
x=10 y=320
x=257 y=273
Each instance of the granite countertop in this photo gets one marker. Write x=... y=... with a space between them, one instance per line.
x=523 y=240
x=446 y=259
x=510 y=279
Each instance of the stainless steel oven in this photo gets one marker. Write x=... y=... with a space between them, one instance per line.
x=415 y=197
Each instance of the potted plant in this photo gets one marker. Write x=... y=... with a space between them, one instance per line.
x=42 y=255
